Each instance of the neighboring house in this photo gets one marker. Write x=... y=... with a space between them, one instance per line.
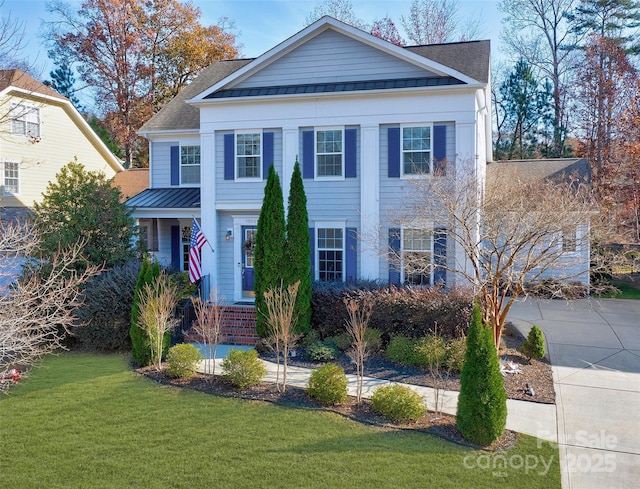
x=361 y=115
x=40 y=132
x=574 y=262
x=131 y=182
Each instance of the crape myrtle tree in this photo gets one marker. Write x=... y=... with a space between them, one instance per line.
x=269 y=253
x=82 y=205
x=298 y=251
x=509 y=240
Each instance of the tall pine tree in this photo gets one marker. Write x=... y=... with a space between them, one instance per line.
x=299 y=251
x=269 y=253
x=482 y=403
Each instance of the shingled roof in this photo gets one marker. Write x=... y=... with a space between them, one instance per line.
x=19 y=79
x=558 y=169
x=469 y=58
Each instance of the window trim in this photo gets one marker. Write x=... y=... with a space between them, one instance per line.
x=430 y=229
x=236 y=166
x=573 y=249
x=25 y=109
x=5 y=192
x=404 y=175
x=318 y=225
x=317 y=176
x=181 y=165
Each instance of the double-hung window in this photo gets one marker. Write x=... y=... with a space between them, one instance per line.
x=189 y=165
x=249 y=155
x=330 y=249
x=416 y=148
x=417 y=256
x=11 y=178
x=25 y=120
x=330 y=153
x=569 y=239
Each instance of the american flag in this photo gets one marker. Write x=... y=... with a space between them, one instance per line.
x=198 y=240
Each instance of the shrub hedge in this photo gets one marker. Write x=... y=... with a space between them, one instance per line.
x=411 y=312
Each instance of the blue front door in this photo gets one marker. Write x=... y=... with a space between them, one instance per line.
x=248 y=243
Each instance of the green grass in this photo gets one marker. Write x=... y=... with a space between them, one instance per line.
x=83 y=420
x=627 y=291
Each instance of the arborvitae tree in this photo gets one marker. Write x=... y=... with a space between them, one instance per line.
x=140 y=347
x=269 y=252
x=482 y=403
x=534 y=346
x=299 y=251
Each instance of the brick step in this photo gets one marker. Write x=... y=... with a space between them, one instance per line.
x=238 y=327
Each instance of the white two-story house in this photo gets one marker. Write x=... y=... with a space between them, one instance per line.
x=361 y=115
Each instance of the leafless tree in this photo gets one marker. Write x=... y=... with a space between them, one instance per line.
x=37 y=310
x=280 y=303
x=208 y=325
x=157 y=302
x=507 y=237
x=359 y=315
x=338 y=9
x=437 y=22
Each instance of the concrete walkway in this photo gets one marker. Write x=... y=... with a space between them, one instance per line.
x=594 y=348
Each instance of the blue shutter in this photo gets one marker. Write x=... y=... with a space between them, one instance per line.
x=350 y=152
x=312 y=246
x=440 y=256
x=439 y=150
x=351 y=262
x=393 y=152
x=267 y=153
x=229 y=156
x=308 y=154
x=176 y=248
x=175 y=165
x=394 y=245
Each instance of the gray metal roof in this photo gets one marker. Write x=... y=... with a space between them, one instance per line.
x=336 y=87
x=548 y=169
x=166 y=198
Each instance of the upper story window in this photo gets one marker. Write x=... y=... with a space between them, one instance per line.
x=25 y=120
x=416 y=150
x=329 y=153
x=417 y=256
x=11 y=178
x=248 y=155
x=330 y=254
x=189 y=164
x=569 y=240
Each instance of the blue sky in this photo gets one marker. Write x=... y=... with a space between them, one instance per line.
x=260 y=24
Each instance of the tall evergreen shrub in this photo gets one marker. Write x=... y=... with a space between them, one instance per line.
x=298 y=251
x=482 y=404
x=140 y=346
x=269 y=251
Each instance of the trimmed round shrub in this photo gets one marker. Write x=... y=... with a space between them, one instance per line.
x=482 y=404
x=342 y=341
x=400 y=349
x=455 y=354
x=398 y=403
x=534 y=346
x=328 y=384
x=243 y=368
x=322 y=351
x=183 y=360
x=429 y=351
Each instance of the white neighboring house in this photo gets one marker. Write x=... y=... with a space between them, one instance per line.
x=361 y=115
x=40 y=132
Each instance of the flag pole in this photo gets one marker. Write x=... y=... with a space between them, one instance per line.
x=210 y=247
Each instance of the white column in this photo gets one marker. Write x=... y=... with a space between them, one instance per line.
x=369 y=202
x=208 y=215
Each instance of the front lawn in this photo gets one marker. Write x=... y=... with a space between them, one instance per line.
x=85 y=420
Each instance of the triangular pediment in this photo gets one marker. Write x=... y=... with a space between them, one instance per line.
x=331 y=56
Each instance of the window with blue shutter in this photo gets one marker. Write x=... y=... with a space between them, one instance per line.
x=350 y=152
x=393 y=152
x=351 y=249
x=176 y=248
x=175 y=165
x=440 y=255
x=229 y=156
x=439 y=150
x=394 y=246
x=268 y=156
x=312 y=245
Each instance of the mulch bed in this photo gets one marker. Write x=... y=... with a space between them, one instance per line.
x=536 y=374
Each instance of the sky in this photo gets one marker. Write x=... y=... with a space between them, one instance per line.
x=259 y=24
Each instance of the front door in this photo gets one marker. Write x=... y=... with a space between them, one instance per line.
x=248 y=244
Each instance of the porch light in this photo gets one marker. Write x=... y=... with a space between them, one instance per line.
x=229 y=234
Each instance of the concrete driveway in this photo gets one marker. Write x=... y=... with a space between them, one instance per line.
x=594 y=348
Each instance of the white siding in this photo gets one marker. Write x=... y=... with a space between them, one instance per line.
x=333 y=57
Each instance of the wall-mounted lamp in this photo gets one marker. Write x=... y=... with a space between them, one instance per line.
x=229 y=234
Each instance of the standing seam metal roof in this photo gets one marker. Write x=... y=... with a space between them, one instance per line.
x=166 y=198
